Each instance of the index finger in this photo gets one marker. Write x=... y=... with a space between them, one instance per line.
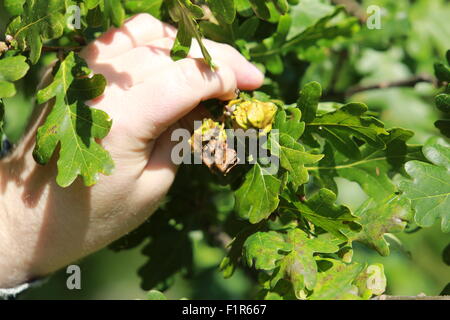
x=137 y=31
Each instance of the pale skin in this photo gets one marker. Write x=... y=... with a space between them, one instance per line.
x=44 y=227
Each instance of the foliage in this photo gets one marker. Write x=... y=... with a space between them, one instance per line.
x=443 y=99
x=288 y=228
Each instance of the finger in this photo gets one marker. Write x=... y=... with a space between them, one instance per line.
x=137 y=31
x=134 y=66
x=160 y=170
x=197 y=114
x=247 y=75
x=165 y=99
x=161 y=167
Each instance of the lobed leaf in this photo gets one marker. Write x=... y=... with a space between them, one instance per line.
x=322 y=211
x=74 y=126
x=224 y=10
x=429 y=189
x=339 y=128
x=265 y=249
x=379 y=218
x=299 y=265
x=11 y=69
x=39 y=21
x=257 y=197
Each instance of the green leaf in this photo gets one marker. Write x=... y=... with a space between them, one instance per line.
x=306 y=14
x=114 y=12
x=322 y=211
x=446 y=290
x=74 y=126
x=223 y=10
x=11 y=69
x=182 y=45
x=293 y=157
x=215 y=32
x=442 y=72
x=281 y=5
x=274 y=64
x=156 y=295
x=248 y=28
x=372 y=281
x=324 y=28
x=340 y=126
x=299 y=266
x=336 y=282
x=374 y=169
x=261 y=9
x=230 y=261
x=292 y=125
x=14 y=7
x=265 y=249
x=429 y=191
x=39 y=21
x=86 y=88
x=257 y=197
x=443 y=102
x=446 y=255
x=91 y=4
x=7 y=89
x=309 y=101
x=379 y=218
x=443 y=99
x=443 y=126
x=185 y=12
x=152 y=7
x=244 y=8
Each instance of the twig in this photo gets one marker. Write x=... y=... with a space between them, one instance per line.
x=58 y=49
x=342 y=57
x=220 y=238
x=411 y=82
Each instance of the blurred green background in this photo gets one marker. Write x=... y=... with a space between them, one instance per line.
x=414 y=35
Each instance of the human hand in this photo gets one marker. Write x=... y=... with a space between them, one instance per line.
x=44 y=227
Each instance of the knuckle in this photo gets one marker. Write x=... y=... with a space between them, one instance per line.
x=143 y=18
x=188 y=73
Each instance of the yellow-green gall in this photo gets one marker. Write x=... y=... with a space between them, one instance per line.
x=252 y=114
x=209 y=129
x=3 y=47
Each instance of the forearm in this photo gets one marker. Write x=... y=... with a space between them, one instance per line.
x=44 y=227
x=38 y=231
x=20 y=216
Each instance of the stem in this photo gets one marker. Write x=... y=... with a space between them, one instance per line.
x=58 y=48
x=411 y=82
x=343 y=56
x=220 y=238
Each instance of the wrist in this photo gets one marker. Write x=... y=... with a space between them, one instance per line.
x=14 y=269
x=20 y=216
